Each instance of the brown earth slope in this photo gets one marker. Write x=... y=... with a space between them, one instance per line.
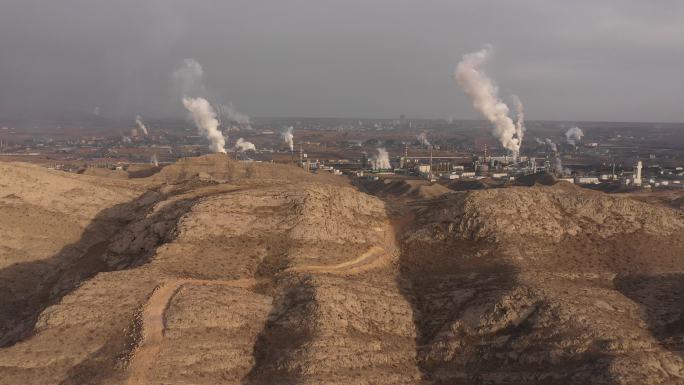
x=546 y=285
x=217 y=272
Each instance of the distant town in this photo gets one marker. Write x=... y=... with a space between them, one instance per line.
x=609 y=156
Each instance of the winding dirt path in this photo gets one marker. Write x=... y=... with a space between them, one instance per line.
x=153 y=324
x=153 y=321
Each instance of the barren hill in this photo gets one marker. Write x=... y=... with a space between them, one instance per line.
x=217 y=272
x=546 y=284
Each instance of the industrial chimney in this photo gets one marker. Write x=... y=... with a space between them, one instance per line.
x=637 y=174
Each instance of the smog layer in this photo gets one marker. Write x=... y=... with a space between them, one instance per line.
x=212 y=271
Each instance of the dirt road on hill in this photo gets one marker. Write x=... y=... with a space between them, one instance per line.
x=153 y=323
x=153 y=316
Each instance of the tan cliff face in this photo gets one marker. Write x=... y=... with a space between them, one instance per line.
x=212 y=271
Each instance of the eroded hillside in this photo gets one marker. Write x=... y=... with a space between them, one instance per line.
x=217 y=272
x=546 y=284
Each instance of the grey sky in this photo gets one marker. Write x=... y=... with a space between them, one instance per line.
x=574 y=60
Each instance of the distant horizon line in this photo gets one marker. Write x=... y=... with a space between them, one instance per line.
x=152 y=119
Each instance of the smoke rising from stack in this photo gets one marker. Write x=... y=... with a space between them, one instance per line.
x=519 y=117
x=381 y=160
x=205 y=120
x=154 y=160
x=558 y=163
x=188 y=77
x=559 y=166
x=243 y=145
x=551 y=145
x=574 y=135
x=422 y=138
x=141 y=124
x=288 y=137
x=231 y=114
x=484 y=95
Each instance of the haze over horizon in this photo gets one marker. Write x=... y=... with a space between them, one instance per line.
x=579 y=61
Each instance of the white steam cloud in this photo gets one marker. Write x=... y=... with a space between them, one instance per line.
x=288 y=137
x=243 y=145
x=154 y=160
x=519 y=118
x=551 y=144
x=229 y=113
x=188 y=78
x=558 y=163
x=574 y=135
x=381 y=160
x=141 y=124
x=484 y=95
x=559 y=166
x=422 y=138
x=205 y=120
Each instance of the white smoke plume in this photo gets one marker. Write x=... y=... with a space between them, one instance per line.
x=539 y=141
x=231 y=114
x=154 y=160
x=574 y=135
x=559 y=166
x=127 y=139
x=381 y=160
x=141 y=124
x=243 y=145
x=422 y=138
x=552 y=145
x=96 y=111
x=288 y=137
x=205 y=120
x=519 y=118
x=188 y=78
x=484 y=95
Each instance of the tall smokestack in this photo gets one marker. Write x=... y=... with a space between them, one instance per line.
x=637 y=173
x=484 y=95
x=519 y=118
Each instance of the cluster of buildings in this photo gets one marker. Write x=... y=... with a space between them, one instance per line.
x=459 y=166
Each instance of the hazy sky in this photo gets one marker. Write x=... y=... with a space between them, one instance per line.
x=567 y=60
